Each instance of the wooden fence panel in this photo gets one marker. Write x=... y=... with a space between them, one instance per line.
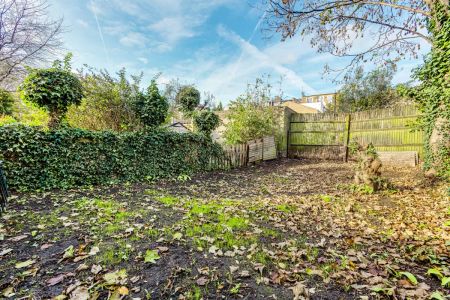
x=317 y=135
x=241 y=155
x=326 y=135
x=388 y=129
x=269 y=148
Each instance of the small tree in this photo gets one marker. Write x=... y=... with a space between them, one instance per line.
x=206 y=121
x=188 y=98
x=53 y=89
x=363 y=91
x=151 y=107
x=219 y=106
x=6 y=102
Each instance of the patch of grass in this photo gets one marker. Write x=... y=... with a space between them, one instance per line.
x=327 y=198
x=234 y=223
x=195 y=293
x=152 y=192
x=262 y=258
x=114 y=253
x=285 y=208
x=167 y=200
x=269 y=232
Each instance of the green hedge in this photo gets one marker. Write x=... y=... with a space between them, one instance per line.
x=65 y=158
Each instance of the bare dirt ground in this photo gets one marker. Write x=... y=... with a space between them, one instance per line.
x=286 y=229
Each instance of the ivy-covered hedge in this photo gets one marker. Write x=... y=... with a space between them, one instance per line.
x=65 y=158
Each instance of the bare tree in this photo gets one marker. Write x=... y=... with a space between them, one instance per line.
x=377 y=30
x=27 y=36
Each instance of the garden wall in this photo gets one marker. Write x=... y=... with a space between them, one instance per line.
x=36 y=159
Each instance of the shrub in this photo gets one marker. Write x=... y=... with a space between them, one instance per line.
x=53 y=89
x=188 y=98
x=107 y=103
x=5 y=120
x=248 y=121
x=6 y=102
x=206 y=122
x=69 y=157
x=151 y=107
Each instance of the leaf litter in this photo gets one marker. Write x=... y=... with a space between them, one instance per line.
x=286 y=229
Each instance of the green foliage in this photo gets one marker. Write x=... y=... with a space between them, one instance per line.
x=5 y=120
x=151 y=256
x=188 y=98
x=151 y=107
x=206 y=122
x=248 y=121
x=219 y=107
x=108 y=102
x=6 y=102
x=366 y=91
x=54 y=89
x=69 y=157
x=433 y=92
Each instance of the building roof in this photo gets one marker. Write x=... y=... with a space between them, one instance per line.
x=299 y=108
x=178 y=126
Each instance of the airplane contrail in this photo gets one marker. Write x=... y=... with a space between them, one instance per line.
x=241 y=56
x=100 y=33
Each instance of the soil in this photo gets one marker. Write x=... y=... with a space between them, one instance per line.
x=337 y=242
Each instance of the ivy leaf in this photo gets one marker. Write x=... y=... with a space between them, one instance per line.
x=410 y=277
x=151 y=256
x=445 y=281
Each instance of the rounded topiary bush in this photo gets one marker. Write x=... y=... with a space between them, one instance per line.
x=188 y=98
x=206 y=122
x=53 y=89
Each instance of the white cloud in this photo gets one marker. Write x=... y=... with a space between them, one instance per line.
x=82 y=23
x=132 y=39
x=143 y=60
x=173 y=29
x=273 y=58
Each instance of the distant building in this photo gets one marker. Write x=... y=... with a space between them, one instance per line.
x=319 y=101
x=296 y=105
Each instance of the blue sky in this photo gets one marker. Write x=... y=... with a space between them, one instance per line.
x=215 y=44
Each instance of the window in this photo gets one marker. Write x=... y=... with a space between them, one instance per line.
x=309 y=99
x=321 y=99
x=330 y=98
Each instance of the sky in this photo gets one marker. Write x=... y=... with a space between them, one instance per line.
x=217 y=45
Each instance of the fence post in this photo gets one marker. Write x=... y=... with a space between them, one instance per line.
x=347 y=136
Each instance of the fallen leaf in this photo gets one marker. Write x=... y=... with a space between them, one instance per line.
x=80 y=293
x=24 y=264
x=55 y=280
x=300 y=291
x=18 y=238
x=202 y=281
x=6 y=251
x=115 y=277
x=177 y=236
x=151 y=256
x=123 y=290
x=95 y=269
x=68 y=252
x=94 y=251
